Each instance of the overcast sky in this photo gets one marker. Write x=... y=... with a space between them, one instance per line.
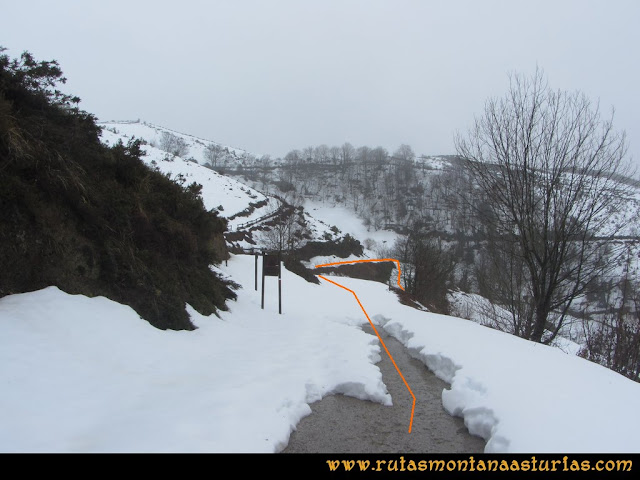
x=271 y=76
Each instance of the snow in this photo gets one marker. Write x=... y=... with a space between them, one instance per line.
x=474 y=307
x=433 y=163
x=217 y=189
x=153 y=133
x=348 y=222
x=325 y=259
x=88 y=375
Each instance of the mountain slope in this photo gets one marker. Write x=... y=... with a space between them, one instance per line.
x=246 y=209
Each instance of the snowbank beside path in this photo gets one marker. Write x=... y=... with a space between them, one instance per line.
x=518 y=395
x=88 y=375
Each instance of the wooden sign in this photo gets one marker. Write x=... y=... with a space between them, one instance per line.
x=271 y=265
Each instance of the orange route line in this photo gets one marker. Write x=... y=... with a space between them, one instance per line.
x=413 y=406
x=370 y=260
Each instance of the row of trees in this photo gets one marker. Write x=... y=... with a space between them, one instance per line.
x=347 y=154
x=215 y=155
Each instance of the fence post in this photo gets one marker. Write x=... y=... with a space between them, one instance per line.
x=279 y=285
x=262 y=304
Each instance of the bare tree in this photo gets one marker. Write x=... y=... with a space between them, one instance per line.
x=379 y=155
x=502 y=278
x=363 y=154
x=308 y=154
x=335 y=154
x=547 y=166
x=405 y=153
x=322 y=154
x=347 y=153
x=427 y=268
x=288 y=230
x=265 y=161
x=404 y=158
x=293 y=157
x=174 y=145
x=213 y=153
x=613 y=340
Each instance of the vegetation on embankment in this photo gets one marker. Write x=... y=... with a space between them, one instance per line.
x=92 y=219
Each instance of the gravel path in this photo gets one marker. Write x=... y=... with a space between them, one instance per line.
x=341 y=424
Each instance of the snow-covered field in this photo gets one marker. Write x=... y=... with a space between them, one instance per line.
x=88 y=375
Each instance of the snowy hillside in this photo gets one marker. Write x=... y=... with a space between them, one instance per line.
x=240 y=204
x=217 y=190
x=88 y=375
x=153 y=134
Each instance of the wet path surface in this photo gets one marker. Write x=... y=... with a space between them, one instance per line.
x=341 y=424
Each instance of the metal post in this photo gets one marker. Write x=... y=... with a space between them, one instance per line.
x=256 y=255
x=279 y=286
x=263 y=280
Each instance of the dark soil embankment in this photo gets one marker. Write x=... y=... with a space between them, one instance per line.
x=376 y=271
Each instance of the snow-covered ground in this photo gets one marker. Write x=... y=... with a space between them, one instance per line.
x=474 y=307
x=217 y=190
x=153 y=134
x=88 y=375
x=348 y=222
